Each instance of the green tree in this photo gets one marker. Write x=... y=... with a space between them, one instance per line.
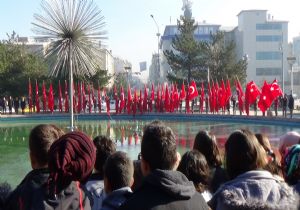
x=220 y=58
x=17 y=65
x=184 y=59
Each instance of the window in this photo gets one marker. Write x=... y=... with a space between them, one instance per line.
x=268 y=71
x=268 y=55
x=268 y=38
x=268 y=26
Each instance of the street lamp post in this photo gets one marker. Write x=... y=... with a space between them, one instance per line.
x=291 y=61
x=158 y=35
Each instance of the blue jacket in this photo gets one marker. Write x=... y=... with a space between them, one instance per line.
x=257 y=189
x=116 y=198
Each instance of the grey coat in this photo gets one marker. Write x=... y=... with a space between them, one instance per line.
x=255 y=190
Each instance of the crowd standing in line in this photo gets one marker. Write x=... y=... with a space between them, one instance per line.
x=70 y=172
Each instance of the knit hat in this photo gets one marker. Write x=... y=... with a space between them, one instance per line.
x=291 y=163
x=70 y=158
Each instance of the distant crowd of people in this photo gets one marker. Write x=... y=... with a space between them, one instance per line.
x=285 y=103
x=70 y=171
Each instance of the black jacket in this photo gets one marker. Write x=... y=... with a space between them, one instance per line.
x=72 y=197
x=21 y=197
x=165 y=190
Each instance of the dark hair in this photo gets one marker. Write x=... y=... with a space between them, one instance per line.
x=243 y=153
x=118 y=170
x=158 y=147
x=206 y=143
x=194 y=166
x=41 y=138
x=5 y=190
x=105 y=147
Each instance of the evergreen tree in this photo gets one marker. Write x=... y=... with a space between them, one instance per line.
x=220 y=58
x=184 y=59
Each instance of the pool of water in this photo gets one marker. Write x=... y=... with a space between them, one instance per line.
x=14 y=157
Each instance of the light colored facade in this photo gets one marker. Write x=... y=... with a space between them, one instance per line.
x=295 y=52
x=263 y=41
x=203 y=33
x=108 y=64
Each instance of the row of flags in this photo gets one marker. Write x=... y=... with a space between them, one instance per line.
x=164 y=98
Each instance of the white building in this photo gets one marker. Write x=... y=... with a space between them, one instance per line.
x=108 y=64
x=263 y=41
x=202 y=33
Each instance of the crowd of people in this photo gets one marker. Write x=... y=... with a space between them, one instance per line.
x=70 y=171
x=9 y=105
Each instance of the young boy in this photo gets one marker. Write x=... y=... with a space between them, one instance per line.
x=118 y=178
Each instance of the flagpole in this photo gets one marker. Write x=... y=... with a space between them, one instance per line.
x=71 y=91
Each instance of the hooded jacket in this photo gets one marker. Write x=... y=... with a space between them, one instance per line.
x=255 y=190
x=165 y=190
x=21 y=197
x=95 y=187
x=116 y=198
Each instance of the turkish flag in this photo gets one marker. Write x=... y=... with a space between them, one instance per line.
x=141 y=102
x=145 y=102
x=193 y=92
x=275 y=90
x=135 y=101
x=66 y=97
x=265 y=97
x=241 y=95
x=157 y=102
x=182 y=92
x=202 y=98
x=99 y=98
x=252 y=91
x=228 y=90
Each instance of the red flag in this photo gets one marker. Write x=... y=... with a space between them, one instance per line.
x=135 y=101
x=182 y=92
x=222 y=95
x=240 y=93
x=30 y=95
x=210 y=97
x=187 y=102
x=152 y=92
x=265 y=97
x=50 y=99
x=79 y=97
x=251 y=94
x=129 y=99
x=176 y=97
x=44 y=97
x=107 y=100
x=167 y=99
x=275 y=90
x=37 y=99
x=193 y=92
x=99 y=99
x=84 y=101
x=141 y=102
x=122 y=100
x=66 y=97
x=145 y=102
x=116 y=99
x=252 y=91
x=59 y=97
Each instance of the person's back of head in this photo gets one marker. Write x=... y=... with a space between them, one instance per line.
x=70 y=158
x=104 y=147
x=243 y=153
x=206 y=143
x=158 y=147
x=291 y=165
x=41 y=138
x=118 y=172
x=194 y=166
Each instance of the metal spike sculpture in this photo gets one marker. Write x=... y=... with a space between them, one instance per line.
x=75 y=29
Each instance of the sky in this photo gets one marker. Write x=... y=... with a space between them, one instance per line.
x=132 y=32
